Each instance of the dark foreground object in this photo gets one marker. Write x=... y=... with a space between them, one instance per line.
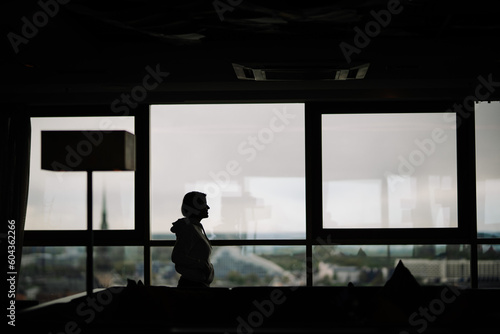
x=155 y=309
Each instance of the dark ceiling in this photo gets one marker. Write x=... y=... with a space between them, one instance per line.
x=87 y=52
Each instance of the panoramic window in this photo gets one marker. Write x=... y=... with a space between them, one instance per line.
x=488 y=169
x=57 y=200
x=389 y=170
x=248 y=158
x=396 y=172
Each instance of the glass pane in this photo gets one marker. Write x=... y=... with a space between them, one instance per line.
x=113 y=265
x=389 y=170
x=489 y=266
x=49 y=273
x=162 y=268
x=488 y=169
x=247 y=158
x=58 y=200
x=113 y=201
x=373 y=265
x=241 y=266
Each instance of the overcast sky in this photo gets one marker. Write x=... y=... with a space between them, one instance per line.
x=413 y=156
x=248 y=159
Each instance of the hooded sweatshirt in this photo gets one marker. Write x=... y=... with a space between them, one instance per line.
x=192 y=250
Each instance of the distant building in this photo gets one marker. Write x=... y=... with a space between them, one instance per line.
x=443 y=271
x=346 y=274
x=424 y=251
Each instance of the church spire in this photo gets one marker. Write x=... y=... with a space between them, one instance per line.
x=104 y=220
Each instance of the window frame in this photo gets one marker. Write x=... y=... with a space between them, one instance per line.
x=119 y=237
x=465 y=184
x=306 y=241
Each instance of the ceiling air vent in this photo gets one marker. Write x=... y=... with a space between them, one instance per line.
x=294 y=73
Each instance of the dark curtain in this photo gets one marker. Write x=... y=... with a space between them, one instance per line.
x=16 y=144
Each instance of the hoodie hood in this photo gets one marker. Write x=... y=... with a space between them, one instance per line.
x=178 y=225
